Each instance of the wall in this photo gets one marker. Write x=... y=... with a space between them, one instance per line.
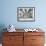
x=9 y=13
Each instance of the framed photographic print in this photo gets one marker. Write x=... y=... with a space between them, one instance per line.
x=26 y=14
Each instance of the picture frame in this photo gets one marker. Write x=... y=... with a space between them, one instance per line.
x=26 y=14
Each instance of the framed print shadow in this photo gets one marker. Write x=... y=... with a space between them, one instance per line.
x=26 y=14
